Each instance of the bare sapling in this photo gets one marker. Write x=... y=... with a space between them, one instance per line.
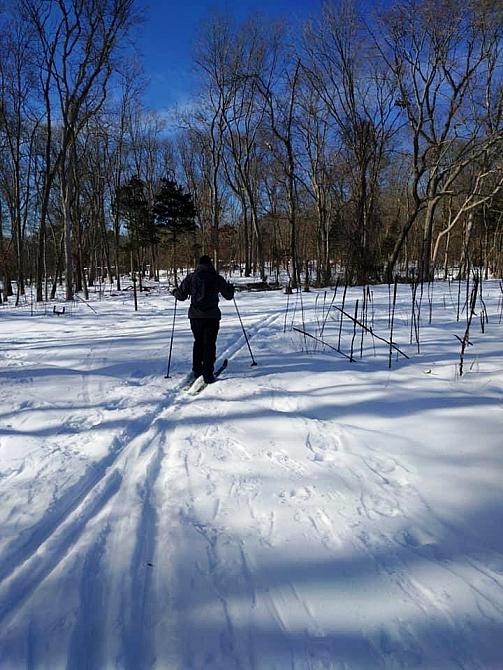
x=342 y=313
x=355 y=323
x=371 y=331
x=466 y=337
x=389 y=304
x=412 y=315
x=467 y=295
x=363 y=319
x=302 y=314
x=295 y=307
x=414 y=322
x=326 y=344
x=483 y=319
x=316 y=312
x=370 y=299
x=430 y=300
x=459 y=297
x=133 y=277
x=288 y=293
x=419 y=307
x=500 y=308
x=484 y=316
x=329 y=309
x=392 y=323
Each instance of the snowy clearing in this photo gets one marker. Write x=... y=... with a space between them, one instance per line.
x=306 y=513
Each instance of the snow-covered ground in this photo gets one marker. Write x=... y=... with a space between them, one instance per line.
x=306 y=513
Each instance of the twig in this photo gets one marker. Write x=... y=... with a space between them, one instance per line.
x=372 y=332
x=85 y=303
x=342 y=310
x=355 y=321
x=299 y=330
x=328 y=312
x=392 y=323
x=465 y=340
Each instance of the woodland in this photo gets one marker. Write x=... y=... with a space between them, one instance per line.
x=358 y=147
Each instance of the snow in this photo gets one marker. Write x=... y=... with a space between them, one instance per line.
x=306 y=513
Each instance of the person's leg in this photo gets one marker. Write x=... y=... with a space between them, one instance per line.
x=197 y=327
x=210 y=347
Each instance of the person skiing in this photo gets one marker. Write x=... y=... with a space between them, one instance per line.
x=203 y=286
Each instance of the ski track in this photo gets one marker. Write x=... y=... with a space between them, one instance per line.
x=36 y=553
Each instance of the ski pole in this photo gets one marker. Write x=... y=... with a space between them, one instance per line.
x=254 y=362
x=171 y=343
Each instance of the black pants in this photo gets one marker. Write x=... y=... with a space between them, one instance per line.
x=204 y=352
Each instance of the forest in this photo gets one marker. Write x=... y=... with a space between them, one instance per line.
x=362 y=147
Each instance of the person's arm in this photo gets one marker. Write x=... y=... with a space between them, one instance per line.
x=182 y=292
x=225 y=288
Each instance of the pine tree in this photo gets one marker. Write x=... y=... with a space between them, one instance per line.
x=131 y=204
x=174 y=212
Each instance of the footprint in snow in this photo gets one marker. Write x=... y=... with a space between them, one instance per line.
x=282 y=459
x=380 y=506
x=282 y=402
x=385 y=468
x=422 y=542
x=301 y=494
x=323 y=446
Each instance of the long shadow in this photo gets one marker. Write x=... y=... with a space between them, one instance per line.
x=87 y=643
x=380 y=619
x=137 y=634
x=21 y=587
x=25 y=544
x=328 y=411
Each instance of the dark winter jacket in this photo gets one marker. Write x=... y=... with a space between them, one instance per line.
x=203 y=287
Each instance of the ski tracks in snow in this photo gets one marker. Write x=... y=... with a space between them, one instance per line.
x=104 y=527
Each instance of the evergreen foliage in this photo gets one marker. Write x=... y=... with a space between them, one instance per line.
x=131 y=203
x=174 y=213
x=174 y=210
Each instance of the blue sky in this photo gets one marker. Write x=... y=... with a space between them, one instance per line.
x=166 y=38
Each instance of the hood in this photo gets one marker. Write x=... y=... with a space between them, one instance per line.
x=206 y=268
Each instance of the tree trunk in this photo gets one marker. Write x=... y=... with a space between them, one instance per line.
x=425 y=267
x=66 y=197
x=117 y=250
x=58 y=266
x=446 y=255
x=4 y=272
x=464 y=261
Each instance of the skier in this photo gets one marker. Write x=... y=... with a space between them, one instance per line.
x=203 y=287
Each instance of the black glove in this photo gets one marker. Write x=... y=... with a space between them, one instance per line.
x=173 y=293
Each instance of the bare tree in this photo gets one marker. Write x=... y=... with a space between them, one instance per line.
x=482 y=188
x=215 y=62
x=437 y=52
x=321 y=152
x=78 y=40
x=18 y=131
x=359 y=97
x=280 y=92
x=254 y=49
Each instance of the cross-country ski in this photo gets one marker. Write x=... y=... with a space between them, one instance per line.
x=199 y=384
